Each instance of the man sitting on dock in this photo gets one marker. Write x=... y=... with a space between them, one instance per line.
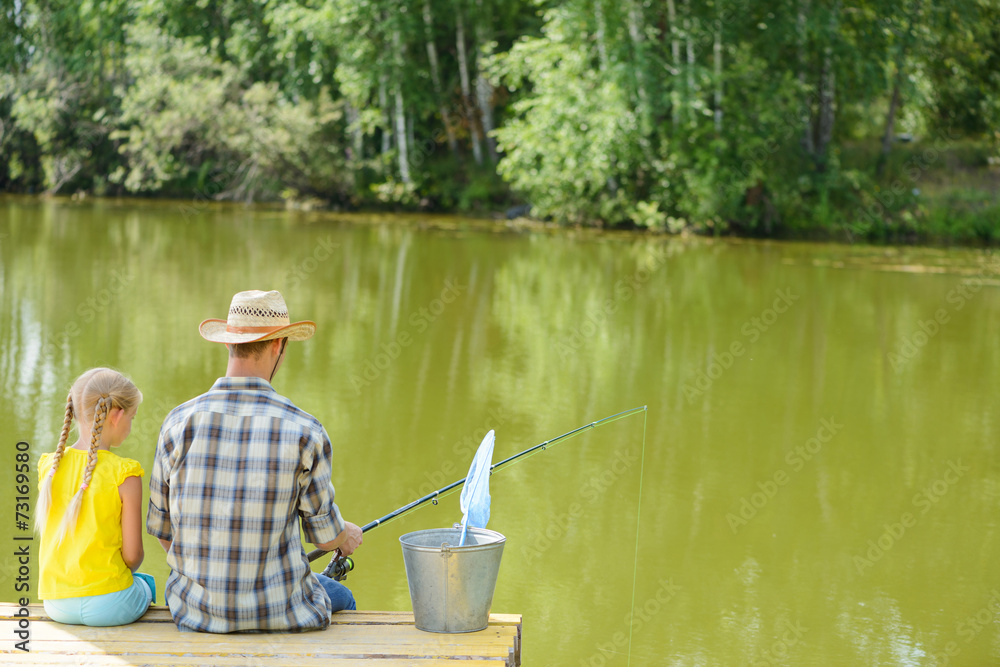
x=235 y=471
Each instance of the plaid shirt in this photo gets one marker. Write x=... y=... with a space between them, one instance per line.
x=235 y=468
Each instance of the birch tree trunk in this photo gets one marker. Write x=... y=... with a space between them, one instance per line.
x=675 y=53
x=436 y=78
x=383 y=103
x=404 y=158
x=402 y=149
x=354 y=127
x=895 y=102
x=717 y=62
x=635 y=31
x=601 y=35
x=102 y=80
x=638 y=44
x=826 y=110
x=484 y=90
x=412 y=148
x=806 y=116
x=828 y=90
x=890 y=120
x=484 y=98
x=689 y=40
x=463 y=72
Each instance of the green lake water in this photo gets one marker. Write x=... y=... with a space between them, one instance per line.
x=816 y=480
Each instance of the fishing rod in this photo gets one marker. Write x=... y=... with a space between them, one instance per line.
x=340 y=566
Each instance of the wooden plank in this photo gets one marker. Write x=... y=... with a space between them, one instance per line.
x=399 y=641
x=517 y=642
x=388 y=637
x=180 y=649
x=160 y=613
x=169 y=632
x=387 y=646
x=353 y=634
x=64 y=660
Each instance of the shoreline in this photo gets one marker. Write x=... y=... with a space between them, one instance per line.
x=497 y=221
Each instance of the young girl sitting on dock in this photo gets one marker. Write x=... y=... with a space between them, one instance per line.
x=89 y=510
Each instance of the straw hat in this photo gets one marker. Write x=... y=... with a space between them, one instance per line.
x=254 y=316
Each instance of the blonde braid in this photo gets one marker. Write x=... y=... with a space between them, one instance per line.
x=73 y=509
x=45 y=490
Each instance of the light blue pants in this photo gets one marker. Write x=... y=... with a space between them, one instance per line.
x=119 y=608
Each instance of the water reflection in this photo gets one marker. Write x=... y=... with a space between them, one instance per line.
x=429 y=336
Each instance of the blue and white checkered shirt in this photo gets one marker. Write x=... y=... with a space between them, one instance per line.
x=235 y=470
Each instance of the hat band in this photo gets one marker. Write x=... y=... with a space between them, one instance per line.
x=241 y=330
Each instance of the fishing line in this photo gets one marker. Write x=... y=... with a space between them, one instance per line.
x=446 y=491
x=635 y=562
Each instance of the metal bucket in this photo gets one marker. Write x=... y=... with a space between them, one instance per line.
x=451 y=587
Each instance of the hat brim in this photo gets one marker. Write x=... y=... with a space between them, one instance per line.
x=215 y=331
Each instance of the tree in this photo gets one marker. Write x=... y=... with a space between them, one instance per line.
x=192 y=120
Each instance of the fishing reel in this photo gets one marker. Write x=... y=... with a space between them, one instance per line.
x=339 y=567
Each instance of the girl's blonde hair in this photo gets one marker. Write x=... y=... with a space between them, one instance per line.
x=91 y=397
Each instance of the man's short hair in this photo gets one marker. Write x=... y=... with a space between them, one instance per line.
x=246 y=350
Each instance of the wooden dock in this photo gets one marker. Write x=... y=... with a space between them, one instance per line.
x=385 y=638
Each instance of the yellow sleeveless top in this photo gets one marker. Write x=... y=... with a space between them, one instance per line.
x=89 y=560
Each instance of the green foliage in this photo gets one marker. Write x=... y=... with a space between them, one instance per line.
x=178 y=113
x=963 y=214
x=723 y=116
x=569 y=143
x=193 y=121
x=66 y=124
